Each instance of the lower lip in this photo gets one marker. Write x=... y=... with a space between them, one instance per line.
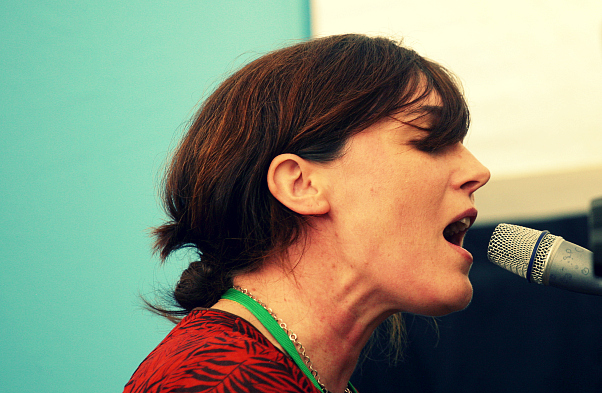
x=467 y=255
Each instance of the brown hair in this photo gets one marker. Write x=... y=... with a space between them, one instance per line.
x=307 y=99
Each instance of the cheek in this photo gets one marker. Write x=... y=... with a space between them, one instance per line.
x=406 y=208
x=421 y=203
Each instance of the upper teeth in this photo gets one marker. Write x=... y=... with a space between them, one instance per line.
x=457 y=226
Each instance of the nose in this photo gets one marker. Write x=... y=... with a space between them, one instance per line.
x=473 y=175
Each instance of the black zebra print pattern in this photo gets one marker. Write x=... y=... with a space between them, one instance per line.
x=214 y=351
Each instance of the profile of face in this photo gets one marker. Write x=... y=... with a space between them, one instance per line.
x=399 y=215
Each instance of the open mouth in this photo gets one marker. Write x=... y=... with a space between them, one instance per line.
x=454 y=232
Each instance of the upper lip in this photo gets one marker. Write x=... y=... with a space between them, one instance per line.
x=454 y=232
x=470 y=213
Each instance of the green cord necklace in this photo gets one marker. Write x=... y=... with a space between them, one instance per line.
x=278 y=329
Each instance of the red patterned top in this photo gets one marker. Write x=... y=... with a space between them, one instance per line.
x=214 y=351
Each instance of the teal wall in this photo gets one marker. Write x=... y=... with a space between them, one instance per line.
x=94 y=94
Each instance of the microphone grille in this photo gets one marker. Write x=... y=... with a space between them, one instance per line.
x=511 y=247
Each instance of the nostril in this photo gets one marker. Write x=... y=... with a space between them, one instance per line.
x=479 y=179
x=472 y=185
x=474 y=174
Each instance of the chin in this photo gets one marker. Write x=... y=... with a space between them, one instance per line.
x=450 y=301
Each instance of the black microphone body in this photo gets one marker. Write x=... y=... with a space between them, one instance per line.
x=543 y=258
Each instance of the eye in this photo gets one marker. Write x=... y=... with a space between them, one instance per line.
x=435 y=143
x=432 y=148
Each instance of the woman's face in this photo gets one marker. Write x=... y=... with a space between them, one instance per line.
x=394 y=211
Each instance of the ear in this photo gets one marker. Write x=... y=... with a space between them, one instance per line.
x=297 y=184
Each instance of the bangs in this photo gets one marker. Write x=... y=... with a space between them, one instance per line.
x=448 y=121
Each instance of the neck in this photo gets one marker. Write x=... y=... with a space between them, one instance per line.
x=324 y=306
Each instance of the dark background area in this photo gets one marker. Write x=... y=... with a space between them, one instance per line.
x=514 y=336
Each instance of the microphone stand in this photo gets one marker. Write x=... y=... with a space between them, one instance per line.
x=595 y=234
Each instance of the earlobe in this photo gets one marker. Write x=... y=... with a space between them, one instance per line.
x=295 y=182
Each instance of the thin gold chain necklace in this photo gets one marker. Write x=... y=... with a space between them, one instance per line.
x=293 y=337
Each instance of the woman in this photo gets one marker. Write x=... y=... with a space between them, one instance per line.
x=327 y=183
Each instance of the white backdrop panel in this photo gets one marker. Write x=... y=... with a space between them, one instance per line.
x=531 y=69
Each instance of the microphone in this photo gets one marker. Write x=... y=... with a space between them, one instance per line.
x=543 y=258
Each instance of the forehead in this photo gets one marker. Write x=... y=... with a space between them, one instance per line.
x=408 y=124
x=398 y=129
x=422 y=112
x=443 y=114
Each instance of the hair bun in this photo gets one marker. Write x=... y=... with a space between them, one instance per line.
x=200 y=286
